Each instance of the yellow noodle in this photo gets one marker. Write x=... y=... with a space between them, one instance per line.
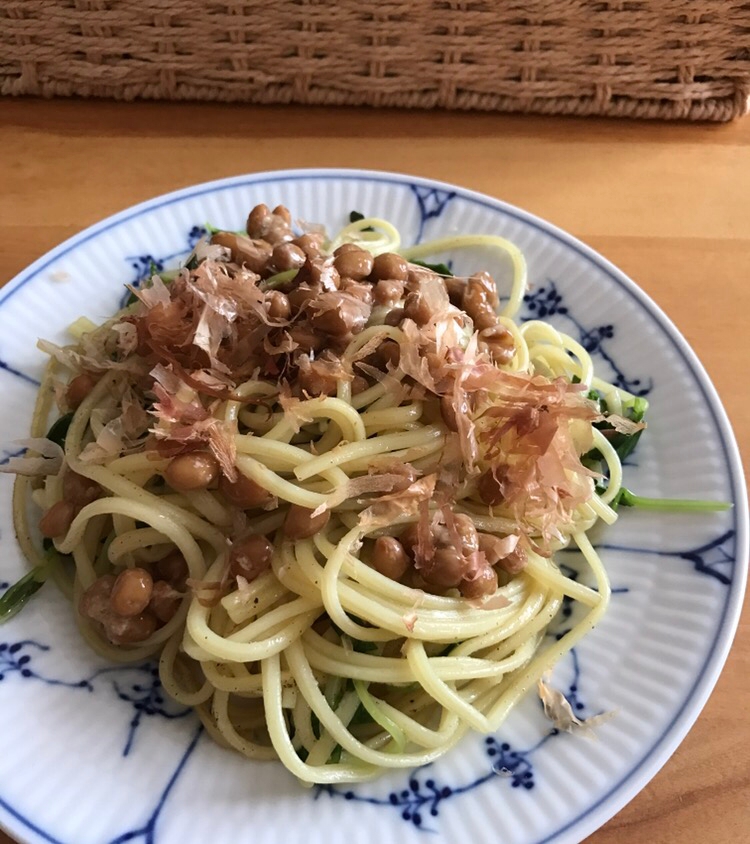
x=346 y=454
x=282 y=664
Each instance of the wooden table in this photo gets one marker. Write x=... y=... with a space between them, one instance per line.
x=669 y=204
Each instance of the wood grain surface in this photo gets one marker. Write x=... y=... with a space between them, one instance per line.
x=668 y=203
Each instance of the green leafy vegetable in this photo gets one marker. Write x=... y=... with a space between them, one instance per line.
x=440 y=269
x=358 y=645
x=278 y=280
x=626 y=498
x=355 y=217
x=334 y=691
x=16 y=597
x=315 y=724
x=59 y=429
x=361 y=716
x=623 y=444
x=213 y=230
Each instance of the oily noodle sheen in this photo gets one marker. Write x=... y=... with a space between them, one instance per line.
x=400 y=675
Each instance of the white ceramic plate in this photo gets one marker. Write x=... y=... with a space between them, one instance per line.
x=91 y=754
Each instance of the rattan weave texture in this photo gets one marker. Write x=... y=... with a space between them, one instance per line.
x=638 y=58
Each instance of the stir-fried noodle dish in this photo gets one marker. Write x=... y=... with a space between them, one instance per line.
x=325 y=483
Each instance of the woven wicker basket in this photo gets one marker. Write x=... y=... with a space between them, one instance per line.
x=638 y=58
